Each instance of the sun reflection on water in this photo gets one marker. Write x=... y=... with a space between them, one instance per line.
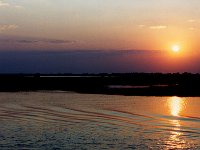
x=176 y=106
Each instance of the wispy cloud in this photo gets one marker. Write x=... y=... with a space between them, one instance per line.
x=191 y=20
x=158 y=27
x=7 y=27
x=191 y=28
x=3 y=4
x=141 y=26
x=152 y=27
x=32 y=40
x=44 y=41
x=60 y=41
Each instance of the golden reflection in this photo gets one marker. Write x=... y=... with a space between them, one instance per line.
x=176 y=106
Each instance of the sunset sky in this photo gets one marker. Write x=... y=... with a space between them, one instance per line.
x=52 y=36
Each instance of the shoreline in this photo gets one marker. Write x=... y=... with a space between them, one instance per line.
x=133 y=84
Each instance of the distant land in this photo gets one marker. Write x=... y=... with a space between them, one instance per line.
x=130 y=84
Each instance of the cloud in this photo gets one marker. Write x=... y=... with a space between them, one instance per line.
x=191 y=20
x=3 y=4
x=158 y=27
x=141 y=26
x=44 y=41
x=7 y=27
x=23 y=41
x=155 y=27
x=78 y=61
x=19 y=40
x=60 y=41
x=191 y=28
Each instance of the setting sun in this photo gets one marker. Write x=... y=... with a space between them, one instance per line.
x=175 y=48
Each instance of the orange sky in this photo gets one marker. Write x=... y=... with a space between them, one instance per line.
x=47 y=25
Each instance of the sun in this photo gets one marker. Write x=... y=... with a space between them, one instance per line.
x=175 y=48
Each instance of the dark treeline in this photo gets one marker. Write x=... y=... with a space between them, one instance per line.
x=155 y=84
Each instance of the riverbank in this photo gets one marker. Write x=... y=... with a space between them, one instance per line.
x=136 y=84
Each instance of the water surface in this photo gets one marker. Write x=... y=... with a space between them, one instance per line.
x=64 y=120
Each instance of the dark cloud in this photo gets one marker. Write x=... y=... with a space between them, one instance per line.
x=26 y=41
x=77 y=61
x=46 y=41
x=60 y=41
x=33 y=41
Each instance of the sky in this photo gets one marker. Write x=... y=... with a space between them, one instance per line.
x=57 y=36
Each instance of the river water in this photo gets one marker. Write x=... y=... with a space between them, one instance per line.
x=65 y=120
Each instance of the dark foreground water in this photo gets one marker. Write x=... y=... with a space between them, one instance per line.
x=60 y=120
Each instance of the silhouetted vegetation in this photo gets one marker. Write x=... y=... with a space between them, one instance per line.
x=155 y=84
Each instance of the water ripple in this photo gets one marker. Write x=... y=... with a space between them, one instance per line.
x=92 y=125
